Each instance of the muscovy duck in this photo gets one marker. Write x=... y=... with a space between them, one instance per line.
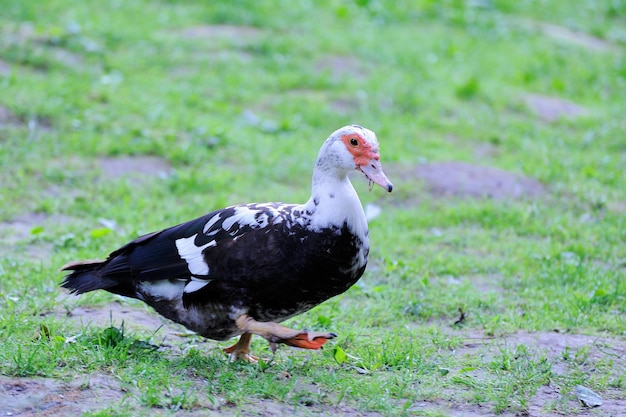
x=243 y=269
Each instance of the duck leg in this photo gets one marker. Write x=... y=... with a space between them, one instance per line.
x=241 y=349
x=275 y=333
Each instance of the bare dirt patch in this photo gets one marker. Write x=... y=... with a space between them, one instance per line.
x=460 y=179
x=26 y=227
x=135 y=166
x=617 y=206
x=35 y=123
x=5 y=68
x=268 y=408
x=20 y=227
x=6 y=116
x=29 y=397
x=20 y=230
x=67 y=58
x=345 y=105
x=485 y=283
x=341 y=66
x=553 y=108
x=560 y=349
x=223 y=43
x=239 y=34
x=555 y=343
x=133 y=317
x=53 y=397
x=564 y=34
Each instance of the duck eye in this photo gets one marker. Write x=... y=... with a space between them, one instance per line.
x=354 y=142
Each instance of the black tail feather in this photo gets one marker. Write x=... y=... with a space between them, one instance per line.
x=86 y=276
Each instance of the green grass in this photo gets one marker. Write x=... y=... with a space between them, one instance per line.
x=240 y=118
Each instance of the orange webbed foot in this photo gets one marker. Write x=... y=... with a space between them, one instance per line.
x=309 y=340
x=275 y=333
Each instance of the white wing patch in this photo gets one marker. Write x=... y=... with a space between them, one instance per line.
x=210 y=224
x=244 y=215
x=196 y=285
x=192 y=254
x=255 y=216
x=163 y=289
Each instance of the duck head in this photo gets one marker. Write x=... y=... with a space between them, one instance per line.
x=355 y=147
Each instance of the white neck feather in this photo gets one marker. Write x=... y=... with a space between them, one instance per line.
x=334 y=201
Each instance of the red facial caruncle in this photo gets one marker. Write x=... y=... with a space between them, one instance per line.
x=366 y=159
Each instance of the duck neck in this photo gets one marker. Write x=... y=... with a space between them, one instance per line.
x=334 y=202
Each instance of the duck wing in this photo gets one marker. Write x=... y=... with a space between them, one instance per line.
x=185 y=254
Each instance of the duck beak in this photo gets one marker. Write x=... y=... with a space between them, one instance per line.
x=373 y=170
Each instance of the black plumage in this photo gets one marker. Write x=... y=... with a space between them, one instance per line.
x=276 y=272
x=242 y=269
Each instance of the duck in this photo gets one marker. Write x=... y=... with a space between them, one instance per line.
x=244 y=269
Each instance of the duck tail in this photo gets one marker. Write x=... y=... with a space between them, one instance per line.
x=85 y=276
